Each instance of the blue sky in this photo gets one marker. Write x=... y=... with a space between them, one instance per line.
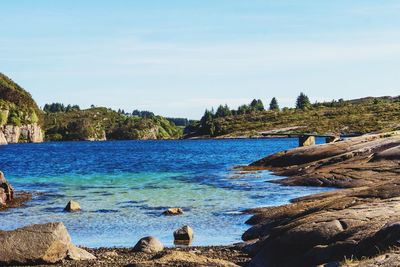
x=177 y=58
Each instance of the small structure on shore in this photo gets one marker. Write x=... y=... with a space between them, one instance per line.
x=305 y=139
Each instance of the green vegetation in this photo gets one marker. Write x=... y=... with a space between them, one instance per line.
x=357 y=116
x=59 y=107
x=273 y=105
x=303 y=102
x=182 y=122
x=16 y=105
x=98 y=123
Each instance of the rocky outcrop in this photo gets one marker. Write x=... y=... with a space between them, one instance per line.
x=6 y=191
x=32 y=133
x=362 y=220
x=149 y=244
x=38 y=244
x=11 y=134
x=3 y=140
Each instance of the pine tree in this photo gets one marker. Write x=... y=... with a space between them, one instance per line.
x=273 y=105
x=303 y=102
x=256 y=105
x=223 y=111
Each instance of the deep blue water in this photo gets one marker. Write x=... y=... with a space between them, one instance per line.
x=124 y=186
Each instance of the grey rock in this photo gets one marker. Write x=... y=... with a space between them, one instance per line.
x=149 y=244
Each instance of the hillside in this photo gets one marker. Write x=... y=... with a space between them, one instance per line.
x=20 y=117
x=350 y=117
x=100 y=123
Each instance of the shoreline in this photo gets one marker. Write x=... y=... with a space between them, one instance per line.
x=314 y=229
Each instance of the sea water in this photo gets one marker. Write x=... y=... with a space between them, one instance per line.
x=124 y=186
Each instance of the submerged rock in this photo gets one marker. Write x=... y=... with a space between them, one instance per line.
x=72 y=206
x=173 y=212
x=40 y=243
x=149 y=244
x=183 y=235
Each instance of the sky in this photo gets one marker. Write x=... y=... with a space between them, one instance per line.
x=177 y=58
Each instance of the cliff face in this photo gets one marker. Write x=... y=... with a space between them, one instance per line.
x=12 y=134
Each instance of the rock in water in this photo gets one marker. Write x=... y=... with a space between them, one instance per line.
x=173 y=212
x=6 y=191
x=149 y=244
x=183 y=235
x=72 y=206
x=40 y=243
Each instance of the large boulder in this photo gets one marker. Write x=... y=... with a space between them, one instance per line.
x=6 y=191
x=149 y=244
x=39 y=244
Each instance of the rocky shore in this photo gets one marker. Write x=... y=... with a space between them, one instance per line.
x=357 y=225
x=171 y=257
x=358 y=222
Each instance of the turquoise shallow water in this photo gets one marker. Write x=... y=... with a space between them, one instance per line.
x=123 y=187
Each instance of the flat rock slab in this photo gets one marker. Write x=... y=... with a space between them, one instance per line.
x=361 y=221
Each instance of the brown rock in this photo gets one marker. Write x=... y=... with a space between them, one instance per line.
x=149 y=245
x=183 y=258
x=40 y=243
x=358 y=222
x=72 y=206
x=173 y=212
x=77 y=254
x=6 y=191
x=3 y=140
x=183 y=235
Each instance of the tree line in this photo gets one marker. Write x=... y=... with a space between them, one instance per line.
x=207 y=125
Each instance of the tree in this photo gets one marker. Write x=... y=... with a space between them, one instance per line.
x=207 y=117
x=303 y=102
x=207 y=122
x=273 y=105
x=223 y=111
x=257 y=105
x=243 y=109
x=260 y=105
